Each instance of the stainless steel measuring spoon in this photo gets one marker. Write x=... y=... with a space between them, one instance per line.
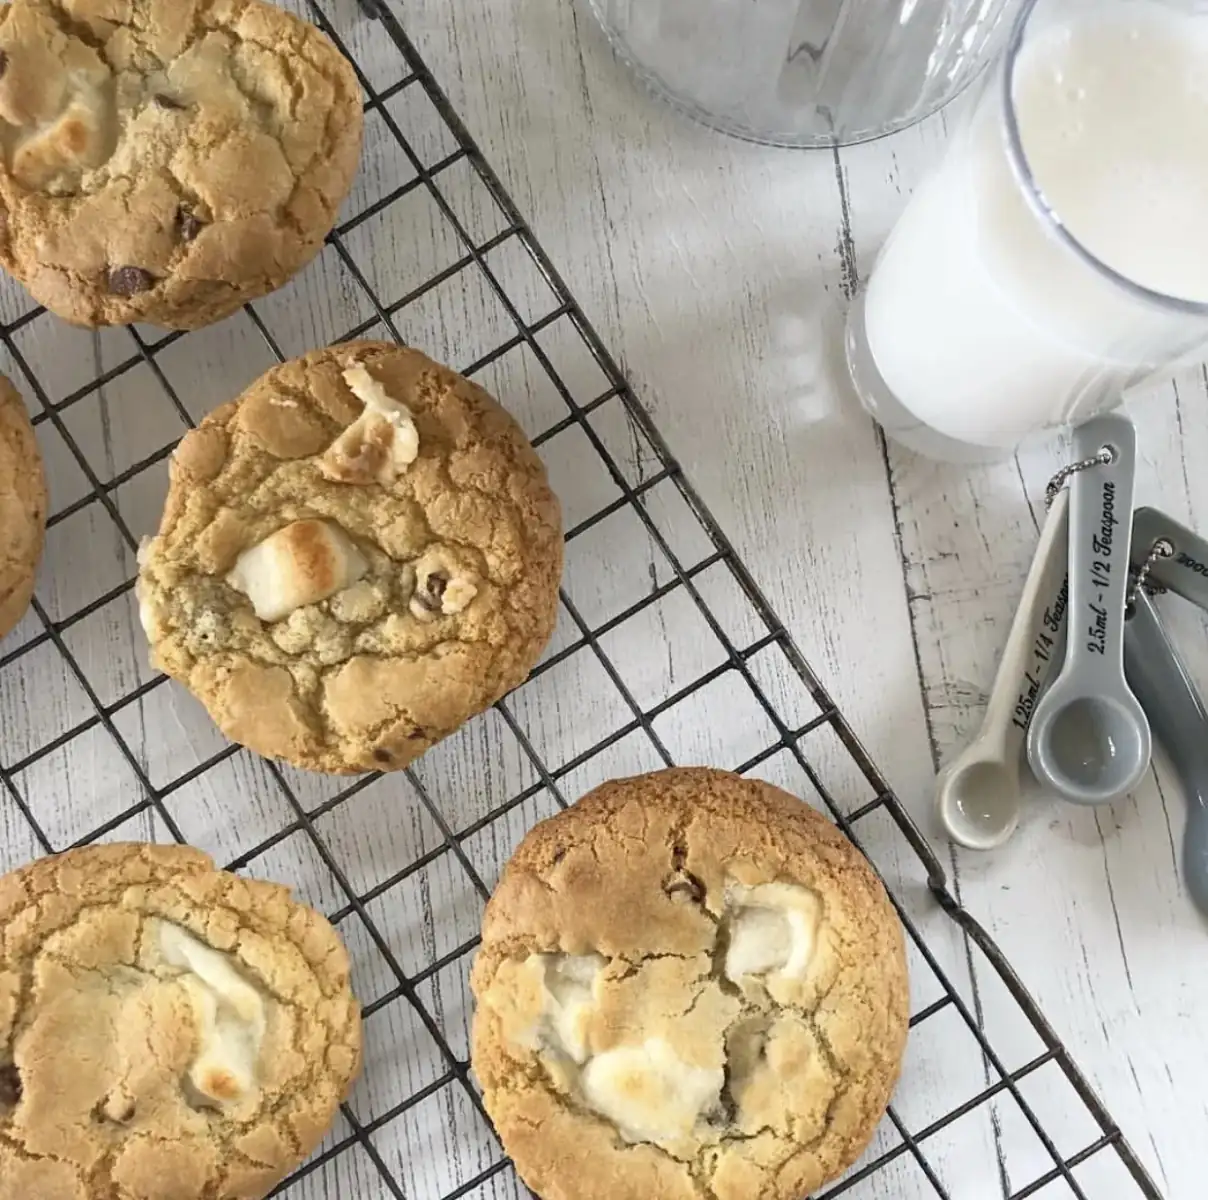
x=1089 y=739
x=977 y=795
x=1161 y=682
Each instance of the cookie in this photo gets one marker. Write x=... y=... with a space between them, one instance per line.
x=690 y=986
x=356 y=556
x=166 y=1029
x=167 y=160
x=22 y=507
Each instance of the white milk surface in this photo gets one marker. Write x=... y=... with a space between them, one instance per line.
x=980 y=321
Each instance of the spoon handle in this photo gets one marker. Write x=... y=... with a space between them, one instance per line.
x=1186 y=572
x=1036 y=640
x=1161 y=683
x=1101 y=500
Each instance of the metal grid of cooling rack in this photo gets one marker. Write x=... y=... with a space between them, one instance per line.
x=122 y=755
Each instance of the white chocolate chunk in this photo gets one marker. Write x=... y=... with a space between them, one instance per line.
x=649 y=1093
x=149 y=613
x=457 y=596
x=303 y=563
x=229 y=1013
x=547 y=1003
x=569 y=1001
x=361 y=603
x=380 y=444
x=773 y=931
x=371 y=393
x=760 y=942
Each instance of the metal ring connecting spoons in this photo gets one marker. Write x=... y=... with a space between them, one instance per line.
x=1089 y=739
x=977 y=795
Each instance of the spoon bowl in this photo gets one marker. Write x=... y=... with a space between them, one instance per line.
x=1093 y=748
x=978 y=798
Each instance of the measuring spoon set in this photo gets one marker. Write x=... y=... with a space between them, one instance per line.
x=1089 y=675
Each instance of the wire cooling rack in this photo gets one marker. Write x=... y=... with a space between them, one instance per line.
x=666 y=652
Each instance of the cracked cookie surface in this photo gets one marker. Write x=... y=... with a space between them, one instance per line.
x=22 y=507
x=357 y=556
x=168 y=1031
x=168 y=160
x=690 y=986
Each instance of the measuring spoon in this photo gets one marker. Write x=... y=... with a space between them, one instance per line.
x=1180 y=723
x=1089 y=739
x=977 y=795
x=1185 y=572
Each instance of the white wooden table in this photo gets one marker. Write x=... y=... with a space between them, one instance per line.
x=719 y=272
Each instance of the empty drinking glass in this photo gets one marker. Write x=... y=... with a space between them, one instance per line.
x=805 y=72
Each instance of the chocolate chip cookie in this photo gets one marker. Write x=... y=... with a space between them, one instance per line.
x=356 y=556
x=690 y=986
x=22 y=507
x=166 y=1029
x=167 y=160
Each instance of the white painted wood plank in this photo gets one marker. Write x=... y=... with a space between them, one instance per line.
x=709 y=266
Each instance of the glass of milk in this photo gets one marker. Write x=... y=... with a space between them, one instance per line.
x=806 y=72
x=1059 y=255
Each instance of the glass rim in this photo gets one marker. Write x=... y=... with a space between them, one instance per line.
x=1040 y=204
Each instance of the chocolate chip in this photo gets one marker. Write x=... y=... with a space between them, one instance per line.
x=382 y=756
x=3 y=61
x=129 y=281
x=433 y=593
x=188 y=224
x=10 y=1085
x=170 y=103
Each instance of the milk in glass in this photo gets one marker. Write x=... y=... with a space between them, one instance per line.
x=1022 y=291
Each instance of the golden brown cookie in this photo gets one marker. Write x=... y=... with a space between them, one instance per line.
x=690 y=986
x=167 y=160
x=357 y=556
x=22 y=507
x=167 y=1030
